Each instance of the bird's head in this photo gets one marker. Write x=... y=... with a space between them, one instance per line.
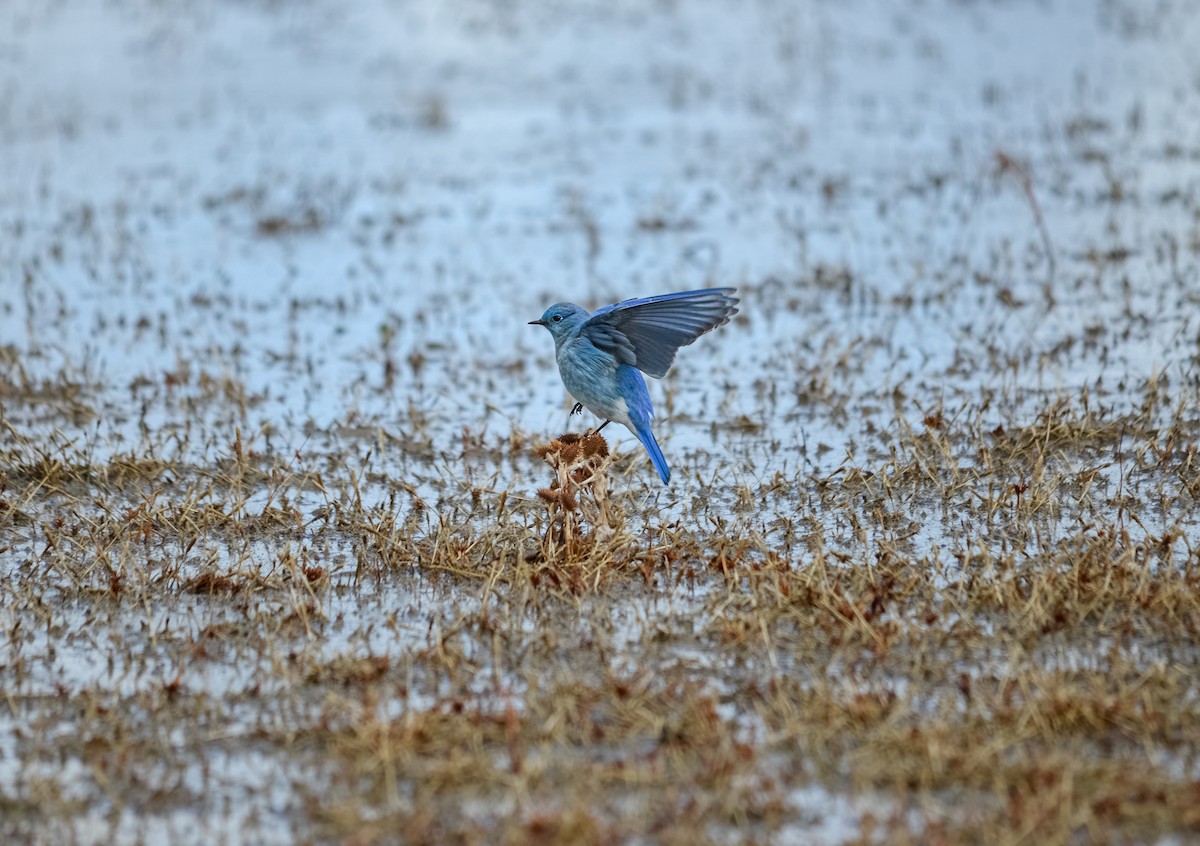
x=562 y=320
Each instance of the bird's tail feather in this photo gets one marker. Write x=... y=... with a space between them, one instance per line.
x=656 y=457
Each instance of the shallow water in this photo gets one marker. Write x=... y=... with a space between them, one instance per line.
x=320 y=231
x=289 y=200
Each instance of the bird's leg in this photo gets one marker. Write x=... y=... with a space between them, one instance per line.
x=578 y=409
x=596 y=431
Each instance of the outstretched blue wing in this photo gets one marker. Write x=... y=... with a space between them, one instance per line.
x=647 y=332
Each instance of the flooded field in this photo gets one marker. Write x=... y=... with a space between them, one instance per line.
x=289 y=552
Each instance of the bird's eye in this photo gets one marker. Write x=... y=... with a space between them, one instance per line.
x=558 y=318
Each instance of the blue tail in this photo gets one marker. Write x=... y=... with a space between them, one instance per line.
x=642 y=430
x=633 y=391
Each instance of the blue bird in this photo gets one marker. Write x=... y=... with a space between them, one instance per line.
x=600 y=354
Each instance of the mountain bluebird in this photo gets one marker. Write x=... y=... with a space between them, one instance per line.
x=599 y=354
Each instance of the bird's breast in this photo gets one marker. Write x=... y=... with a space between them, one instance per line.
x=590 y=375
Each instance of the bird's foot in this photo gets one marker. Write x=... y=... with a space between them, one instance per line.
x=596 y=431
x=578 y=409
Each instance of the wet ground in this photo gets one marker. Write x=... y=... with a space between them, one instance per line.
x=274 y=564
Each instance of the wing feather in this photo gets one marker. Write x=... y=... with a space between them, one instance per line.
x=647 y=332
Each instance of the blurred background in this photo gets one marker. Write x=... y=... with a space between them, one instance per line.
x=349 y=211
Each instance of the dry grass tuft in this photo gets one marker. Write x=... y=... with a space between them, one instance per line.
x=579 y=492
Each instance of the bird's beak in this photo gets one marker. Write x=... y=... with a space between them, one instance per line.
x=537 y=323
